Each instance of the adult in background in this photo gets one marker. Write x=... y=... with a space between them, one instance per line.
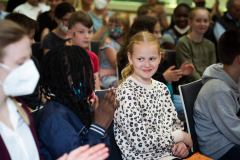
x=230 y=20
x=32 y=8
x=100 y=16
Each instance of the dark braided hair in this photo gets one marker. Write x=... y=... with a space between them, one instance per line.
x=63 y=68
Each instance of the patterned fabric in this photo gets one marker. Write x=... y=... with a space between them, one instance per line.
x=145 y=124
x=115 y=32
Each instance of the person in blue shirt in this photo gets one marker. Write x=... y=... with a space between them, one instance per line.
x=230 y=19
x=69 y=118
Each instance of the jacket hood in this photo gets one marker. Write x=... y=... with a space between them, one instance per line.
x=216 y=71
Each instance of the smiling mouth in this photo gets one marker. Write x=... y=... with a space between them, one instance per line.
x=147 y=70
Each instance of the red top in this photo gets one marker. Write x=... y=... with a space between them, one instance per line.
x=94 y=60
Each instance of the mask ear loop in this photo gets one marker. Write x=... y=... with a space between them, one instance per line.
x=4 y=66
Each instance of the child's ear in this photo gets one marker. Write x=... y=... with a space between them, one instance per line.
x=57 y=20
x=69 y=33
x=129 y=58
x=238 y=59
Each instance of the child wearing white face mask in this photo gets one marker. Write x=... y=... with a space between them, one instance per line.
x=58 y=36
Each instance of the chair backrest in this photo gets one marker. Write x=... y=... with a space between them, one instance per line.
x=94 y=47
x=189 y=93
x=171 y=57
x=115 y=153
x=37 y=52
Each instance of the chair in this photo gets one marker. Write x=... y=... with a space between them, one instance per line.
x=115 y=153
x=171 y=57
x=37 y=52
x=94 y=47
x=189 y=93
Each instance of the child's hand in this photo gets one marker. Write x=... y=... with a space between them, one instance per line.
x=187 y=68
x=104 y=111
x=105 y=18
x=171 y=75
x=180 y=150
x=97 y=152
x=187 y=140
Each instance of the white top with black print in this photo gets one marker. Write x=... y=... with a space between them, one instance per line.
x=146 y=125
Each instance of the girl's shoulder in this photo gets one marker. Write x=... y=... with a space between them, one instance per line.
x=159 y=85
x=208 y=42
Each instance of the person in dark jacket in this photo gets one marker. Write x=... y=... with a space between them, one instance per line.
x=230 y=19
x=69 y=118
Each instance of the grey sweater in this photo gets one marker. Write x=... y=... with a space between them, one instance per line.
x=215 y=112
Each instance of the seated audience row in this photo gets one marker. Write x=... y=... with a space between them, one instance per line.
x=19 y=77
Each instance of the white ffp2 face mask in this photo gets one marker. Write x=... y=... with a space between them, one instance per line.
x=181 y=30
x=63 y=27
x=100 y=4
x=21 y=80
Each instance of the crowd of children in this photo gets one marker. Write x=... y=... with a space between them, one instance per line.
x=132 y=66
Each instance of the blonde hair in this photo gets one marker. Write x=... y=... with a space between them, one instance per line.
x=11 y=32
x=194 y=12
x=121 y=18
x=139 y=38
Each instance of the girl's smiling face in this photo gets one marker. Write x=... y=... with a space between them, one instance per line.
x=145 y=60
x=200 y=22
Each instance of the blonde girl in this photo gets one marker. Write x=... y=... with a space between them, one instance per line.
x=145 y=123
x=118 y=31
x=194 y=48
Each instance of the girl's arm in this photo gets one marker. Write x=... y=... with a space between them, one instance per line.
x=130 y=123
x=111 y=56
x=44 y=33
x=58 y=136
x=97 y=81
x=183 y=54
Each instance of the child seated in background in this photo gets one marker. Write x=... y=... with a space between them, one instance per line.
x=194 y=48
x=118 y=31
x=80 y=26
x=146 y=125
x=217 y=109
x=58 y=36
x=178 y=27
